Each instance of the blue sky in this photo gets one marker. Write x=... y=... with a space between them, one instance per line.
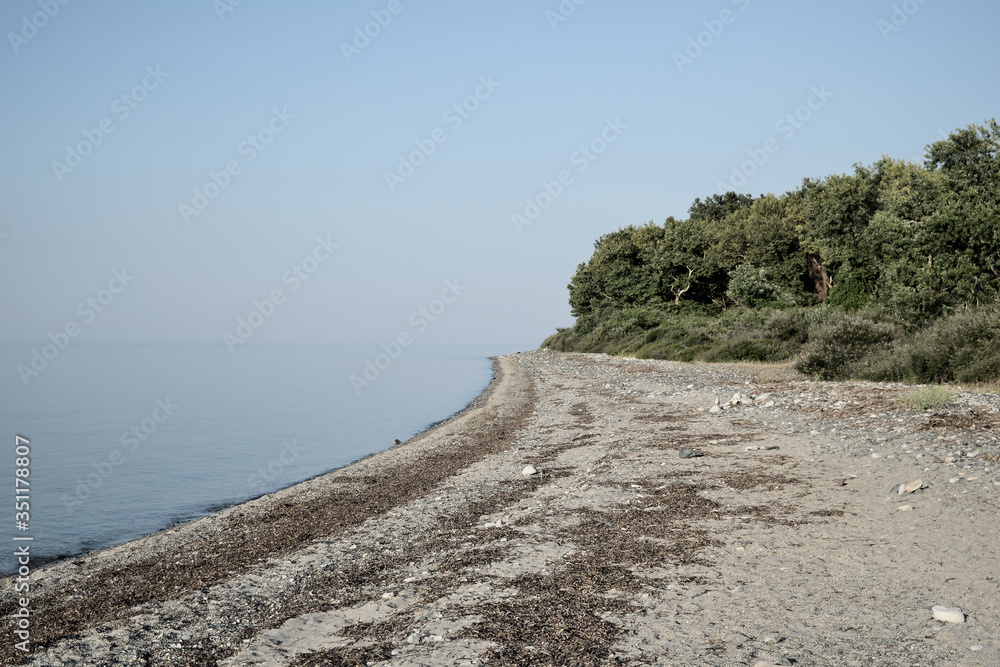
x=536 y=82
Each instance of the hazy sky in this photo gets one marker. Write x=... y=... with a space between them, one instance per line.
x=204 y=150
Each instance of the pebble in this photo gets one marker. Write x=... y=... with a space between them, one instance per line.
x=528 y=471
x=915 y=485
x=414 y=638
x=953 y=480
x=948 y=614
x=976 y=647
x=715 y=409
x=771 y=639
x=904 y=508
x=686 y=453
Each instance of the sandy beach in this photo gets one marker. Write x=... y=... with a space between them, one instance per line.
x=654 y=530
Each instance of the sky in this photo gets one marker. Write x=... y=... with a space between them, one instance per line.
x=247 y=172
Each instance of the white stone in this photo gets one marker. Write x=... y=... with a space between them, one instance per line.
x=913 y=486
x=948 y=614
x=529 y=471
x=762 y=398
x=715 y=409
x=904 y=508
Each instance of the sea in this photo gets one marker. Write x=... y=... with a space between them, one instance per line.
x=106 y=443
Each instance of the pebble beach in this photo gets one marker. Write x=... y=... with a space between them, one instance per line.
x=584 y=510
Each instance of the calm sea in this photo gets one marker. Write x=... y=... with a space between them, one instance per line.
x=128 y=439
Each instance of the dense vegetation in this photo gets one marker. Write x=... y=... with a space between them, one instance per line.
x=888 y=273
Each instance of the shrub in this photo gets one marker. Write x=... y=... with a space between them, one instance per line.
x=749 y=286
x=931 y=398
x=846 y=339
x=962 y=346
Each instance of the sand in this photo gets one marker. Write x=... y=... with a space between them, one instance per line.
x=440 y=551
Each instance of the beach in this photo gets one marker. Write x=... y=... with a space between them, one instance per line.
x=649 y=529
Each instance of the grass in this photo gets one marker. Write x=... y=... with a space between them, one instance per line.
x=929 y=398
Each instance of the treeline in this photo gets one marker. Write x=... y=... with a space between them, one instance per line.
x=891 y=272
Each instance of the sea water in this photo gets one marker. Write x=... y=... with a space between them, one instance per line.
x=125 y=440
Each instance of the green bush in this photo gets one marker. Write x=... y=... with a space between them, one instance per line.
x=749 y=286
x=846 y=339
x=962 y=346
x=931 y=398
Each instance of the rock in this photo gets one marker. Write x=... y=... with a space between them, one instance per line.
x=898 y=489
x=528 y=471
x=716 y=401
x=904 y=508
x=771 y=639
x=686 y=453
x=953 y=480
x=948 y=614
x=761 y=399
x=736 y=399
x=915 y=485
x=715 y=409
x=414 y=638
x=769 y=404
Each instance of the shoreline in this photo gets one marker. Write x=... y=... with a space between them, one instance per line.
x=777 y=539
x=44 y=562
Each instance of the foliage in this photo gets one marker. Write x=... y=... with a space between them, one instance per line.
x=930 y=398
x=890 y=272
